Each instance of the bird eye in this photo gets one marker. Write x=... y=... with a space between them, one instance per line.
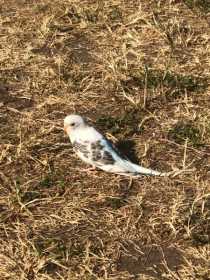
x=72 y=124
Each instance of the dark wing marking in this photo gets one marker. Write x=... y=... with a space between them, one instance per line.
x=100 y=154
x=97 y=145
x=82 y=148
x=96 y=154
x=108 y=158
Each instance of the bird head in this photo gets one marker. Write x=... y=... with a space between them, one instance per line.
x=73 y=122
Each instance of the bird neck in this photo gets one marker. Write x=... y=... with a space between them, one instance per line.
x=78 y=133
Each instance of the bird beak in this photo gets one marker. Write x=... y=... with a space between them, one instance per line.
x=66 y=128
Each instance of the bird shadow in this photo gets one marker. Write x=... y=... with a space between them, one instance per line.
x=127 y=148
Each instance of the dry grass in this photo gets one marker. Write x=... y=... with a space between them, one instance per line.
x=140 y=72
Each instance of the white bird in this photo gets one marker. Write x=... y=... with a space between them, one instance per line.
x=94 y=149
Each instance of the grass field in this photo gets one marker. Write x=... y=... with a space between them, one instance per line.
x=138 y=70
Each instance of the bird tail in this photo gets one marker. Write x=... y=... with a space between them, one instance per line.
x=145 y=171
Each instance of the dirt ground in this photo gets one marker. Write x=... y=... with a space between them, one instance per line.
x=138 y=70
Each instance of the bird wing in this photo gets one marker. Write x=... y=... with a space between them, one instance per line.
x=99 y=153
